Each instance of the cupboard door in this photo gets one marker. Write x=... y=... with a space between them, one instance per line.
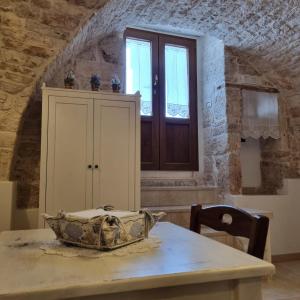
x=70 y=152
x=114 y=154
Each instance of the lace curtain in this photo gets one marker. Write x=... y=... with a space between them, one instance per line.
x=260 y=115
x=176 y=76
x=138 y=72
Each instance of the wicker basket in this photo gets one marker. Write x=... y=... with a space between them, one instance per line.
x=102 y=229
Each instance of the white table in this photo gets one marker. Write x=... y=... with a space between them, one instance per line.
x=186 y=266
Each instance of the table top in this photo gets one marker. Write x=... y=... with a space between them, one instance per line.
x=183 y=257
x=187 y=208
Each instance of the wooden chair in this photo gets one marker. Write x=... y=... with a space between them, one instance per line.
x=234 y=221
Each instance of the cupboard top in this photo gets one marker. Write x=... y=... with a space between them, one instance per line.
x=107 y=95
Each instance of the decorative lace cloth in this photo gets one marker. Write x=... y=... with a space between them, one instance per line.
x=146 y=108
x=55 y=247
x=178 y=110
x=260 y=115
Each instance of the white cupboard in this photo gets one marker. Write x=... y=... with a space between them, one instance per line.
x=90 y=153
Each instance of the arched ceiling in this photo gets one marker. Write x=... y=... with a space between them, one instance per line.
x=266 y=30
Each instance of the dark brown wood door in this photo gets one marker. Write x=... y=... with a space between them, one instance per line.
x=149 y=124
x=168 y=143
x=178 y=136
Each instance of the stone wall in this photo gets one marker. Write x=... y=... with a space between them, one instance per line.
x=257 y=28
x=105 y=58
x=32 y=33
x=233 y=97
x=293 y=129
x=221 y=110
x=40 y=39
x=213 y=99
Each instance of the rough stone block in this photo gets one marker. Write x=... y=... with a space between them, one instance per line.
x=11 y=20
x=37 y=51
x=7 y=139
x=216 y=145
x=88 y=3
x=9 y=120
x=25 y=10
x=15 y=77
x=5 y=102
x=46 y=4
x=58 y=19
x=11 y=87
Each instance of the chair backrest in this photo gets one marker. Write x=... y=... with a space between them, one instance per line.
x=234 y=221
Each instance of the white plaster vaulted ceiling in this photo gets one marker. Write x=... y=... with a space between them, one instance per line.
x=267 y=29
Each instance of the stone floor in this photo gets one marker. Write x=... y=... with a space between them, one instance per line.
x=285 y=285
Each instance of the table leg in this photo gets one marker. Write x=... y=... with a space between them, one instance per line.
x=248 y=289
x=243 y=289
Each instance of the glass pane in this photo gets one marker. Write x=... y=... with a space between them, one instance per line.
x=177 y=83
x=139 y=73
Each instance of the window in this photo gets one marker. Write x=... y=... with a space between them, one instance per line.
x=163 y=69
x=139 y=73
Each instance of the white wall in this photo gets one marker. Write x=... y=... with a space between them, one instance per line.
x=12 y=218
x=285 y=225
x=250 y=163
x=7 y=200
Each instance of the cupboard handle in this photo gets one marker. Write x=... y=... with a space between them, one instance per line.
x=89 y=166
x=96 y=166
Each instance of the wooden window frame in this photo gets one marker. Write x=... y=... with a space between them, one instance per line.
x=155 y=142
